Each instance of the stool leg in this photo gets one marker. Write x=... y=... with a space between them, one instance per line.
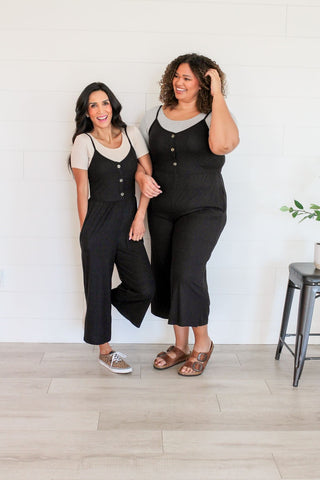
x=306 y=304
x=285 y=318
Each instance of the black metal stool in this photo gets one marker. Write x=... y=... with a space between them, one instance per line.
x=306 y=278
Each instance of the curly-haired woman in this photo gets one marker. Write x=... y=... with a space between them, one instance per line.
x=104 y=161
x=188 y=138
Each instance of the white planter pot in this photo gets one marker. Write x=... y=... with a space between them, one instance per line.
x=317 y=255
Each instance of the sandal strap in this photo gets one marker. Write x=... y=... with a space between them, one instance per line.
x=195 y=366
x=176 y=350
x=164 y=355
x=202 y=356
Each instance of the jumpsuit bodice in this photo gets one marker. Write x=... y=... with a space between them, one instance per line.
x=112 y=181
x=187 y=171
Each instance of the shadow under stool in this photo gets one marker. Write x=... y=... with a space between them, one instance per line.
x=306 y=278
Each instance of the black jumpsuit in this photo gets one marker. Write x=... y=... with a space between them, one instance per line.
x=104 y=241
x=185 y=221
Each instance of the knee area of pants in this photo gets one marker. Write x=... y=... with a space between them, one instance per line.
x=183 y=276
x=149 y=291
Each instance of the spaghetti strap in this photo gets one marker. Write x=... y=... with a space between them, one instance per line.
x=158 y=112
x=91 y=141
x=207 y=115
x=125 y=131
x=155 y=120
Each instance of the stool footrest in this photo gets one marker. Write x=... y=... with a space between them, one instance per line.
x=287 y=346
x=292 y=352
x=310 y=335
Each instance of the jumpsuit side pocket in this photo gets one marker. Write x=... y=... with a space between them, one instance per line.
x=83 y=227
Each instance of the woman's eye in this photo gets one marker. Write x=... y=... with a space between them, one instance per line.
x=106 y=102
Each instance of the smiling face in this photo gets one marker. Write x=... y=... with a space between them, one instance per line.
x=185 y=84
x=99 y=109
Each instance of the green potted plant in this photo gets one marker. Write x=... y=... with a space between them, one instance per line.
x=313 y=213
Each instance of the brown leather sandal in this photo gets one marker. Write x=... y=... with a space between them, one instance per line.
x=199 y=365
x=170 y=362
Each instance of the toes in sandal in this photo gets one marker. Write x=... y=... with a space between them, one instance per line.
x=199 y=365
x=180 y=357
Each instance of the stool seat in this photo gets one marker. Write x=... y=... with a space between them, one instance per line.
x=306 y=278
x=304 y=273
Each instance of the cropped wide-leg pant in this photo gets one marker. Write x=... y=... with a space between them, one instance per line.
x=104 y=241
x=180 y=249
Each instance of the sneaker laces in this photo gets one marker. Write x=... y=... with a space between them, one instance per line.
x=117 y=357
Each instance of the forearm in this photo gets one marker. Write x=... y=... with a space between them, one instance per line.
x=82 y=203
x=223 y=133
x=143 y=205
x=144 y=168
x=145 y=164
x=81 y=178
x=140 y=175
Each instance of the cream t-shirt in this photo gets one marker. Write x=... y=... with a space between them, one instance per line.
x=82 y=149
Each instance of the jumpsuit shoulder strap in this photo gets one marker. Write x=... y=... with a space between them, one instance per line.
x=158 y=112
x=91 y=141
x=125 y=131
x=155 y=119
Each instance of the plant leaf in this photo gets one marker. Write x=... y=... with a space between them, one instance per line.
x=295 y=214
x=298 y=204
x=313 y=206
x=284 y=208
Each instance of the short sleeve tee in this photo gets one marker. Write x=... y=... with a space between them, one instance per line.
x=82 y=149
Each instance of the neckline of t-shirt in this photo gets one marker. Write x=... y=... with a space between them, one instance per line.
x=107 y=148
x=182 y=121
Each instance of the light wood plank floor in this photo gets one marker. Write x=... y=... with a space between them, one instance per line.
x=65 y=417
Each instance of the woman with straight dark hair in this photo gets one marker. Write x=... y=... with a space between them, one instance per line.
x=104 y=160
x=188 y=136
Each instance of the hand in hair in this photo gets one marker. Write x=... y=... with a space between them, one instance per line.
x=215 y=81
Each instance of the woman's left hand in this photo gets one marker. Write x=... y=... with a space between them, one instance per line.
x=137 y=229
x=215 y=85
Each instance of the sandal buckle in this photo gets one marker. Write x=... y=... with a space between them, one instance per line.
x=202 y=357
x=197 y=366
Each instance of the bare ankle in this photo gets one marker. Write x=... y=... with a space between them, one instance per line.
x=185 y=347
x=105 y=349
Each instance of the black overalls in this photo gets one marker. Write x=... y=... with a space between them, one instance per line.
x=185 y=221
x=104 y=241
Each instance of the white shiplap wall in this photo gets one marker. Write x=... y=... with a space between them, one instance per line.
x=50 y=50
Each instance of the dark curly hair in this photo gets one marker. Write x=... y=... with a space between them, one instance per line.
x=199 y=65
x=83 y=123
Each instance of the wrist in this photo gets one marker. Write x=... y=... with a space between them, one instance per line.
x=217 y=96
x=140 y=214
